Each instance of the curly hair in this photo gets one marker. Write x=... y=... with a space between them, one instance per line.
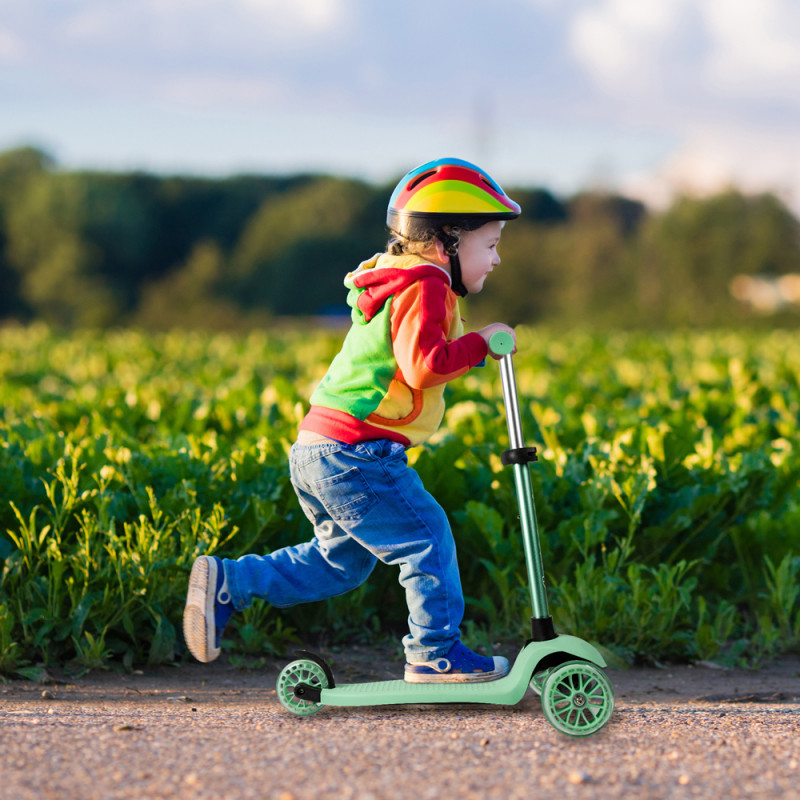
x=448 y=235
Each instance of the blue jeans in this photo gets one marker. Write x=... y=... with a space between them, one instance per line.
x=366 y=504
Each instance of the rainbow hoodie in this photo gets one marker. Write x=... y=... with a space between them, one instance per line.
x=406 y=342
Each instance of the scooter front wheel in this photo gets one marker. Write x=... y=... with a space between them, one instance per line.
x=308 y=673
x=577 y=698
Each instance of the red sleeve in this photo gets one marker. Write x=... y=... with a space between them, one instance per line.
x=421 y=316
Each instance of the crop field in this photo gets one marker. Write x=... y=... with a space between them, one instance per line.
x=666 y=492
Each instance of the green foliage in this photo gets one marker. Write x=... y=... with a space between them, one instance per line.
x=691 y=252
x=667 y=492
x=92 y=249
x=78 y=249
x=630 y=608
x=783 y=597
x=298 y=236
x=73 y=237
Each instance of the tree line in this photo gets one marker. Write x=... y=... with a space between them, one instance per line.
x=98 y=249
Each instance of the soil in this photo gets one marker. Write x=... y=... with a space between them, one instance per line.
x=218 y=731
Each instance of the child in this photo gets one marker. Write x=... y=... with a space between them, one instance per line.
x=383 y=393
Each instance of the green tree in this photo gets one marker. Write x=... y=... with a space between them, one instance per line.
x=190 y=296
x=59 y=268
x=524 y=287
x=98 y=249
x=17 y=168
x=298 y=247
x=191 y=210
x=689 y=254
x=569 y=269
x=595 y=252
x=540 y=206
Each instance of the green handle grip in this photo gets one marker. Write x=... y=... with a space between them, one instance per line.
x=501 y=343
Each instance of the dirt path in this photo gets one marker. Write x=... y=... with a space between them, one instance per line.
x=218 y=732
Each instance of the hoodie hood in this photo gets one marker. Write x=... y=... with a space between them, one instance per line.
x=382 y=276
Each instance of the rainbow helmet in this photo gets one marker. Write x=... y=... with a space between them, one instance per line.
x=447 y=191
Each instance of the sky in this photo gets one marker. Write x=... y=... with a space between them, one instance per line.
x=644 y=97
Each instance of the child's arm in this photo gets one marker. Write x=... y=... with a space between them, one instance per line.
x=420 y=321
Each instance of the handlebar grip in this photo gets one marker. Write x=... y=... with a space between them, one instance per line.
x=501 y=343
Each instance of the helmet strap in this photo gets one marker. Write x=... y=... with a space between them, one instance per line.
x=450 y=243
x=455 y=277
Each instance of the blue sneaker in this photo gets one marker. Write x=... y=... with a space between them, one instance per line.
x=208 y=608
x=460 y=665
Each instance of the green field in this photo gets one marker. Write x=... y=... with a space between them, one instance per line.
x=667 y=492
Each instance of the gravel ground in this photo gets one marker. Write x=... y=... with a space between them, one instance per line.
x=214 y=731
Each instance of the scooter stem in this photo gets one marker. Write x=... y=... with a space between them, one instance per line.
x=522 y=481
x=527 y=509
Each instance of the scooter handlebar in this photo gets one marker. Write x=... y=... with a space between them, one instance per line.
x=501 y=343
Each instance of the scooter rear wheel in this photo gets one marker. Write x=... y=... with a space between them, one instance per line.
x=577 y=698
x=292 y=675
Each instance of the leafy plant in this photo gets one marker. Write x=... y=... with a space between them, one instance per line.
x=783 y=597
x=667 y=477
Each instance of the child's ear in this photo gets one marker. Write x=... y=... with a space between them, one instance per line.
x=441 y=253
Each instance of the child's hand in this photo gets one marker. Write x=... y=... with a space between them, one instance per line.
x=487 y=332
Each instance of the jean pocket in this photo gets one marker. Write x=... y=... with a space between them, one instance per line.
x=346 y=495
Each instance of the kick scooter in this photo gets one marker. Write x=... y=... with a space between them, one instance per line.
x=577 y=697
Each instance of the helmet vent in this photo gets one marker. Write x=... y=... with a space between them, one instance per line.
x=419 y=179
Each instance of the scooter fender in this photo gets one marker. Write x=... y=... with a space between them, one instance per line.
x=556 y=651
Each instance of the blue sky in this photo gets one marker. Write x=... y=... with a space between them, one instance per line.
x=641 y=96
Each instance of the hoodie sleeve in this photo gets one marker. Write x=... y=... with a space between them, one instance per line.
x=421 y=317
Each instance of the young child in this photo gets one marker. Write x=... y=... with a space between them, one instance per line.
x=382 y=394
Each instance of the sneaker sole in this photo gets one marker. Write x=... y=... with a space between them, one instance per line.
x=500 y=671
x=198 y=615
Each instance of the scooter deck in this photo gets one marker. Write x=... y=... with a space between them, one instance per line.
x=508 y=690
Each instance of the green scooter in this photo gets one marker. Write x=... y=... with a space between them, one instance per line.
x=577 y=698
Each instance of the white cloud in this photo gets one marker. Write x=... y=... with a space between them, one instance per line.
x=723 y=75
x=216 y=91
x=11 y=48
x=218 y=54
x=755 y=47
x=622 y=42
x=682 y=50
x=320 y=15
x=198 y=28
x=752 y=159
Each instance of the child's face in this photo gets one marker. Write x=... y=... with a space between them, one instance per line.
x=477 y=253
